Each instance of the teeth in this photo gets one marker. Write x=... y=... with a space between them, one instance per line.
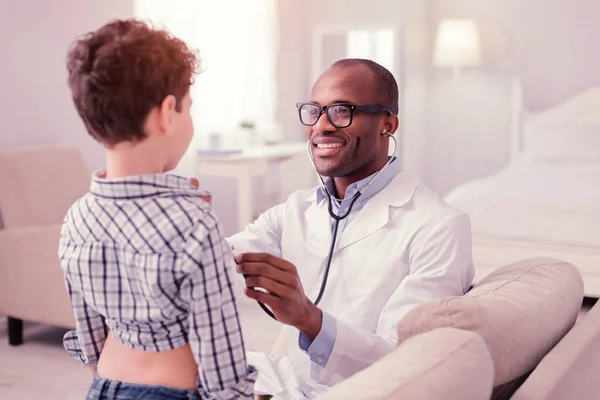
x=329 y=145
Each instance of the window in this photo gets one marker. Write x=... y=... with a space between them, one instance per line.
x=376 y=45
x=238 y=52
x=331 y=43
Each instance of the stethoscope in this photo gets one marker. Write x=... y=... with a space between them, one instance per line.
x=337 y=218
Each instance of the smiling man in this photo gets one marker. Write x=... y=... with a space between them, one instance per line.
x=340 y=265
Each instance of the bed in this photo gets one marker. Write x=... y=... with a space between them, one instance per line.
x=546 y=202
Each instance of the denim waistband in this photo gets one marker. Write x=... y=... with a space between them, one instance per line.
x=106 y=389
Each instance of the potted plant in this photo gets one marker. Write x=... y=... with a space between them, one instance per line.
x=248 y=130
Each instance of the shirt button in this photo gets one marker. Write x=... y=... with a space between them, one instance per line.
x=320 y=360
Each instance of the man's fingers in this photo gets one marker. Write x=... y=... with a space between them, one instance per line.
x=266 y=258
x=268 y=271
x=274 y=288
x=266 y=298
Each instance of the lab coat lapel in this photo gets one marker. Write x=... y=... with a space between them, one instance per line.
x=375 y=213
x=372 y=217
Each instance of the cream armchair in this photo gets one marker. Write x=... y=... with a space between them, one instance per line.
x=37 y=186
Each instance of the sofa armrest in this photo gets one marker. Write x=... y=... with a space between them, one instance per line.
x=570 y=370
x=31 y=280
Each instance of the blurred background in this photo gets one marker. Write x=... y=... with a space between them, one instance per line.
x=459 y=115
x=499 y=100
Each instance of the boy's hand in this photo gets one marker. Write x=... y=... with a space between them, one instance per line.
x=205 y=195
x=194 y=182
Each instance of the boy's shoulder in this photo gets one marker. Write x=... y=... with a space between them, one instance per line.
x=176 y=217
x=153 y=224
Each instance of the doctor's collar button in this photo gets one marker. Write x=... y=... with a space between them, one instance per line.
x=320 y=359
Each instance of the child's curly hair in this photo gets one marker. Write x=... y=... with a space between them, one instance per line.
x=120 y=72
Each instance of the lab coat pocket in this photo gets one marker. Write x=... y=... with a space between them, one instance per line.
x=371 y=277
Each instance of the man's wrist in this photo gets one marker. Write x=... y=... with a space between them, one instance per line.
x=311 y=325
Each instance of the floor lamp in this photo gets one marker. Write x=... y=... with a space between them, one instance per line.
x=456 y=46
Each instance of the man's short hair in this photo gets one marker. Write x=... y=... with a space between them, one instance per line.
x=120 y=72
x=386 y=87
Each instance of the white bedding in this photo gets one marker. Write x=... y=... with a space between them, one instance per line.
x=534 y=201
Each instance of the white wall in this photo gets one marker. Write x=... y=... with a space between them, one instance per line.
x=450 y=135
x=35 y=103
x=561 y=55
x=416 y=86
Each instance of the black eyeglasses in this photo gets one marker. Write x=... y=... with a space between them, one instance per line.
x=339 y=114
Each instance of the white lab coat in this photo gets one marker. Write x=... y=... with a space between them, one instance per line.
x=403 y=248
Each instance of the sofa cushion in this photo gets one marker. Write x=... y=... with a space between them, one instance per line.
x=521 y=311
x=570 y=370
x=444 y=363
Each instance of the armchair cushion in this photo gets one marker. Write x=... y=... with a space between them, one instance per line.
x=31 y=281
x=39 y=184
x=521 y=311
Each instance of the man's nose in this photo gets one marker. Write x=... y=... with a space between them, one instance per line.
x=323 y=125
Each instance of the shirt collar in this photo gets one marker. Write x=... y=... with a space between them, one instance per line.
x=139 y=186
x=385 y=177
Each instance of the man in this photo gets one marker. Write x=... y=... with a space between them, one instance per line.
x=398 y=247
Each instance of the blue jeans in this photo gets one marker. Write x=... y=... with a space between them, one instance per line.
x=104 y=389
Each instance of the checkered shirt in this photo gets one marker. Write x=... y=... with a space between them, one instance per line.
x=143 y=258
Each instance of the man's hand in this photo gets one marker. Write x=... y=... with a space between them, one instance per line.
x=285 y=294
x=205 y=196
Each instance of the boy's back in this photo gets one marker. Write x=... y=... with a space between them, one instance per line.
x=145 y=265
x=144 y=258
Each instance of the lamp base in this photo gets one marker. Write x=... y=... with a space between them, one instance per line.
x=455 y=75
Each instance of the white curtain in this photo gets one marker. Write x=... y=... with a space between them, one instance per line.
x=237 y=41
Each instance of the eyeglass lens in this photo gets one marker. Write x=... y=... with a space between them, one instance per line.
x=340 y=116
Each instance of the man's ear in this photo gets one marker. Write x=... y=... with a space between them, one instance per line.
x=391 y=124
x=167 y=109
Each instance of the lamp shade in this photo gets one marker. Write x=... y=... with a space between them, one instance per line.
x=457 y=44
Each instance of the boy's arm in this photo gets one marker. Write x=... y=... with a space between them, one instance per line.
x=87 y=341
x=214 y=329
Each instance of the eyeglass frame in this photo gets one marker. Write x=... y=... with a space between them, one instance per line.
x=353 y=107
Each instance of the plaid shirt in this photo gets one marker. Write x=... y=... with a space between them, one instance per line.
x=143 y=257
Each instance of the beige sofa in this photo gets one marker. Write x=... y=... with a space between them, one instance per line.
x=515 y=325
x=37 y=186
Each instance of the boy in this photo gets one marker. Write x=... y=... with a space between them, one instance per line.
x=144 y=261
